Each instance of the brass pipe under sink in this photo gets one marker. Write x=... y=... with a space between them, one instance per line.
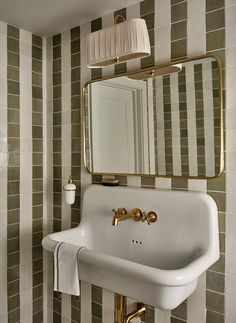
x=120 y=309
x=141 y=309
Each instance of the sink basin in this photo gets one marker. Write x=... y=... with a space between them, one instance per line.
x=157 y=264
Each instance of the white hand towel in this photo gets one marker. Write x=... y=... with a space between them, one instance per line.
x=66 y=269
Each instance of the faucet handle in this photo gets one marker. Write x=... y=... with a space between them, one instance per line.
x=137 y=214
x=151 y=217
x=120 y=211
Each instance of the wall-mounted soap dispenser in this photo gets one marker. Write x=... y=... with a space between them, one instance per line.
x=69 y=189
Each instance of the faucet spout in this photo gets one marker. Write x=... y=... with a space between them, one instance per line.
x=121 y=215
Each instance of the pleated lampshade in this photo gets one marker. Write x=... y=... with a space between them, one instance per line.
x=118 y=43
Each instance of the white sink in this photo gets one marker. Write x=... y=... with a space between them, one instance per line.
x=157 y=264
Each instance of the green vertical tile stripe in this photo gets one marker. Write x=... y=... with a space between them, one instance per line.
x=147 y=12
x=149 y=316
x=201 y=163
x=56 y=307
x=96 y=179
x=167 y=125
x=57 y=162
x=215 y=278
x=37 y=175
x=75 y=309
x=217 y=116
x=183 y=122
x=178 y=29
x=95 y=26
x=179 y=314
x=13 y=180
x=155 y=124
x=215 y=27
x=122 y=67
x=148 y=181
x=76 y=140
x=57 y=155
x=96 y=293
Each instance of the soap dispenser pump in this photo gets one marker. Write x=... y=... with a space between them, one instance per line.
x=69 y=189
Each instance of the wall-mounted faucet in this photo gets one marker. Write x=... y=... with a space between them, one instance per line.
x=136 y=214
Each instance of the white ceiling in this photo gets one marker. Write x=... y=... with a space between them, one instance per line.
x=49 y=17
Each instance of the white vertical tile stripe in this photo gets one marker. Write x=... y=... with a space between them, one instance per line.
x=191 y=120
x=66 y=122
x=66 y=146
x=196 y=44
x=164 y=183
x=196 y=28
x=150 y=151
x=162 y=316
x=161 y=161
x=3 y=172
x=208 y=118
x=47 y=176
x=230 y=262
x=162 y=52
x=108 y=300
x=175 y=125
x=162 y=37
x=134 y=181
x=86 y=315
x=199 y=185
x=26 y=176
x=85 y=76
x=162 y=32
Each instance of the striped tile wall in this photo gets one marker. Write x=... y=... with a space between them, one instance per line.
x=176 y=28
x=175 y=31
x=21 y=136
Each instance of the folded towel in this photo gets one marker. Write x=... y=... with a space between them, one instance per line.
x=66 y=269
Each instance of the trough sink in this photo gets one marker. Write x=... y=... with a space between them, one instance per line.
x=157 y=264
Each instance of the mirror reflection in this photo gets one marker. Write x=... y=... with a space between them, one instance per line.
x=164 y=122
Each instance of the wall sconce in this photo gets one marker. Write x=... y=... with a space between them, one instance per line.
x=157 y=71
x=118 y=43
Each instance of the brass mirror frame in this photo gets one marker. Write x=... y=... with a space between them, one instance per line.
x=150 y=69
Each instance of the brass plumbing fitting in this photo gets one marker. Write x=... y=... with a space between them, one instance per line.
x=141 y=309
x=120 y=300
x=136 y=215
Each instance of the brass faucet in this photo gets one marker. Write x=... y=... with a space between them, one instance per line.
x=121 y=214
x=136 y=214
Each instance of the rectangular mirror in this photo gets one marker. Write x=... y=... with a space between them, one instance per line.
x=161 y=121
